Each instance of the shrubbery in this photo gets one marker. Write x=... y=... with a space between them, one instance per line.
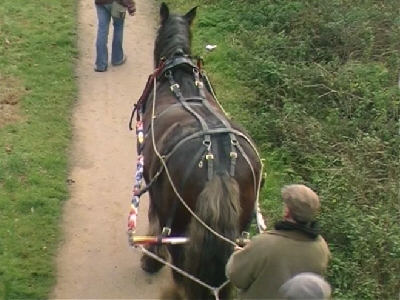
x=322 y=102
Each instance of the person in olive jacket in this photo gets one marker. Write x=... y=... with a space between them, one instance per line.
x=294 y=246
x=104 y=10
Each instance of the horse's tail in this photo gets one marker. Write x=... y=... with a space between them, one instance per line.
x=206 y=254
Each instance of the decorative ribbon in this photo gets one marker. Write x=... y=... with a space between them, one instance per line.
x=134 y=210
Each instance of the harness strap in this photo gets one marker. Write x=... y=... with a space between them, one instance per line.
x=199 y=83
x=191 y=101
x=233 y=156
x=233 y=153
x=135 y=106
x=209 y=156
x=194 y=99
x=207 y=139
x=177 y=92
x=234 y=142
x=197 y=135
x=145 y=94
x=208 y=132
x=176 y=61
x=147 y=187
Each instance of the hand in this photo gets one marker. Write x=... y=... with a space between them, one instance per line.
x=241 y=242
x=132 y=10
x=237 y=248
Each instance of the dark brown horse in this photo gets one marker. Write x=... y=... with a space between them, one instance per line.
x=210 y=164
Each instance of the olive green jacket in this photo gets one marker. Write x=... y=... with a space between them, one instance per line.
x=272 y=258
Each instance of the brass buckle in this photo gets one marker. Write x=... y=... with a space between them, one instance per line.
x=199 y=84
x=166 y=231
x=174 y=87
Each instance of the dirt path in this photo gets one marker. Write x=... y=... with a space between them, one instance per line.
x=94 y=260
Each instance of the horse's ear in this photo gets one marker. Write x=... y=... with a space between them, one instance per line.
x=164 y=12
x=190 y=15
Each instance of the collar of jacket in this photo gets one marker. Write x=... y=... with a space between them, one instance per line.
x=301 y=230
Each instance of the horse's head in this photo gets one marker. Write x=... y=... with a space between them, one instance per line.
x=174 y=36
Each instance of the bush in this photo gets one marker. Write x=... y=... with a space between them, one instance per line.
x=316 y=85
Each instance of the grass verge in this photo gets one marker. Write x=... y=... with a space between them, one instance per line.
x=37 y=90
x=316 y=85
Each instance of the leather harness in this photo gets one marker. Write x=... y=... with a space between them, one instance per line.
x=166 y=69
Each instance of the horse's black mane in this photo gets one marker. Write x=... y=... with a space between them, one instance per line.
x=174 y=34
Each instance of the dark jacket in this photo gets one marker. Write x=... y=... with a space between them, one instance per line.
x=129 y=4
x=270 y=259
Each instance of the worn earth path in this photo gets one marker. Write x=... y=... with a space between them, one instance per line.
x=94 y=260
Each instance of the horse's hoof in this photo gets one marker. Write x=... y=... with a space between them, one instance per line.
x=150 y=265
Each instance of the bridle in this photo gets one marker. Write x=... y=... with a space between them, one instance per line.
x=165 y=66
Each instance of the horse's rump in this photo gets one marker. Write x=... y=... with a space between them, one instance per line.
x=179 y=138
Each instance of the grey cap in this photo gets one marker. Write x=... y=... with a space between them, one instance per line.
x=302 y=202
x=305 y=286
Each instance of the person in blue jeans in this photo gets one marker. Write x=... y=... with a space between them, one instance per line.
x=103 y=8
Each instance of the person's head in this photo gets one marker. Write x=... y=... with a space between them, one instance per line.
x=305 y=286
x=301 y=202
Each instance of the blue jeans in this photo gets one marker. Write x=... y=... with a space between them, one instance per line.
x=117 y=53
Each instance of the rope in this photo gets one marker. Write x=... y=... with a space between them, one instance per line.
x=204 y=74
x=215 y=290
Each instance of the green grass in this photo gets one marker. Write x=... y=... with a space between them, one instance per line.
x=315 y=83
x=37 y=55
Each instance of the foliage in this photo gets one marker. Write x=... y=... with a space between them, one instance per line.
x=315 y=83
x=37 y=51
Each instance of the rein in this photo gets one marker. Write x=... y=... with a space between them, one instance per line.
x=146 y=92
x=163 y=67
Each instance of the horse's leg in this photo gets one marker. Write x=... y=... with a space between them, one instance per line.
x=176 y=291
x=149 y=264
x=176 y=252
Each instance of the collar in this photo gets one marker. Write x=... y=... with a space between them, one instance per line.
x=311 y=230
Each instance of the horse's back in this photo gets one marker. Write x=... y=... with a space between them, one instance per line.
x=180 y=138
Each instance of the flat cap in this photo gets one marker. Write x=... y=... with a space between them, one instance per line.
x=302 y=202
